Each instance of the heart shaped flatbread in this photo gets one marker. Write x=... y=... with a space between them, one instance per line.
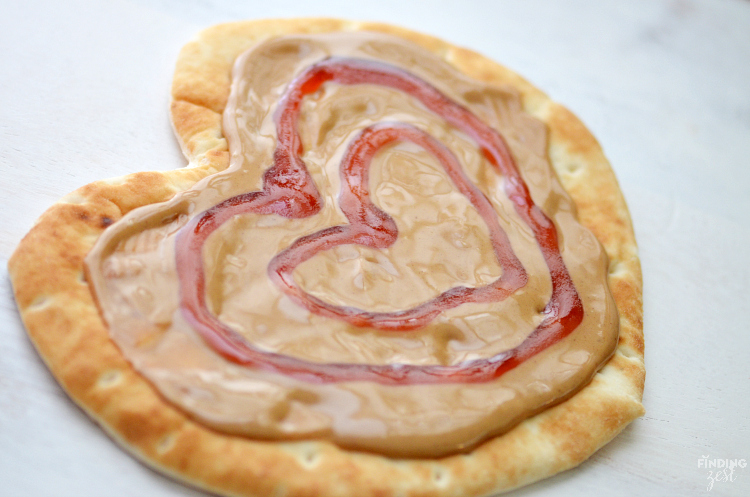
x=268 y=373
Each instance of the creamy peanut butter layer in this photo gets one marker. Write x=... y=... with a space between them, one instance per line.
x=416 y=273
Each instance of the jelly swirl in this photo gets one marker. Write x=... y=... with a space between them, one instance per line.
x=288 y=191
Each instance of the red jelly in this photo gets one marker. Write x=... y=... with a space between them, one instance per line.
x=288 y=190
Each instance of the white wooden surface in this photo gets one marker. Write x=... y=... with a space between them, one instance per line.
x=665 y=86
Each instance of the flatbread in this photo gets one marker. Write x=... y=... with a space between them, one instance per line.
x=62 y=319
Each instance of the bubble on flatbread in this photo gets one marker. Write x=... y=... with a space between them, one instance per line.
x=616 y=268
x=39 y=303
x=307 y=454
x=628 y=352
x=166 y=443
x=440 y=477
x=109 y=379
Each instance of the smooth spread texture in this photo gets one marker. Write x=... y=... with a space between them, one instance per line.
x=57 y=307
x=440 y=241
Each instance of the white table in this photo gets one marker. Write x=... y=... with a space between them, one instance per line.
x=664 y=85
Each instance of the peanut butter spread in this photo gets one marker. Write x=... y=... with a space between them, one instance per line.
x=430 y=289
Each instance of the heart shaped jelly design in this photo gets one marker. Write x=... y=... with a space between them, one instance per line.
x=288 y=190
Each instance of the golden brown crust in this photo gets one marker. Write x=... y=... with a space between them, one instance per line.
x=62 y=319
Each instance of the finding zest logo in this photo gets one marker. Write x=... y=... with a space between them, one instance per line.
x=720 y=470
